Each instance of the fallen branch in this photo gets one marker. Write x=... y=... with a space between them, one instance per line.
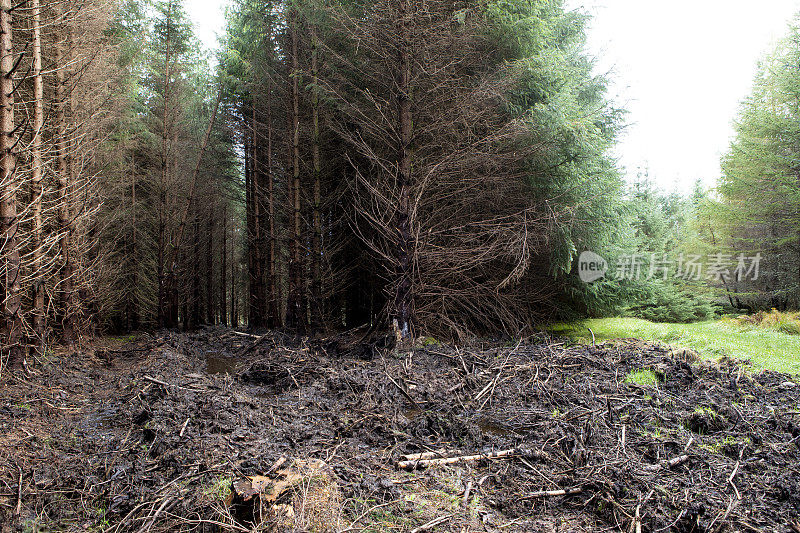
x=252 y=346
x=249 y=335
x=157 y=381
x=183 y=429
x=423 y=463
x=551 y=493
x=672 y=463
x=18 y=508
x=403 y=391
x=424 y=455
x=636 y=524
x=433 y=523
x=733 y=475
x=466 y=494
x=165 y=384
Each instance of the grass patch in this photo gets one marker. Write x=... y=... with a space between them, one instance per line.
x=765 y=347
x=219 y=488
x=643 y=377
x=782 y=321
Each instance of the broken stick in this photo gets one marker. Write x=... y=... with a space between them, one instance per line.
x=424 y=455
x=552 y=493
x=675 y=461
x=430 y=525
x=423 y=463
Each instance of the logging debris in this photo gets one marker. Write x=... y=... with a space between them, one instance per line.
x=535 y=436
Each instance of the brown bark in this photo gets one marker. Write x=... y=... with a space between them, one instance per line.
x=272 y=280
x=249 y=220
x=133 y=292
x=11 y=325
x=210 y=308
x=68 y=303
x=234 y=303
x=163 y=296
x=316 y=239
x=256 y=245
x=195 y=295
x=404 y=297
x=223 y=278
x=295 y=311
x=37 y=190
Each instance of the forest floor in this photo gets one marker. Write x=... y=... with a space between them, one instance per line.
x=222 y=431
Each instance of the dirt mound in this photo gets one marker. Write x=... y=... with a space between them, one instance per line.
x=532 y=437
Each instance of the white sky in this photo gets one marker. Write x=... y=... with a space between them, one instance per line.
x=208 y=17
x=680 y=68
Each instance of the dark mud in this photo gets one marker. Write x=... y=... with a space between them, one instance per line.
x=148 y=435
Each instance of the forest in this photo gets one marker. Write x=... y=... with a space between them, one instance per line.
x=332 y=276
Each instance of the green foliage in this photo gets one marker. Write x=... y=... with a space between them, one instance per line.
x=653 y=227
x=167 y=95
x=667 y=301
x=759 y=207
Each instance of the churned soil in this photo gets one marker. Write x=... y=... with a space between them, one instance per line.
x=152 y=434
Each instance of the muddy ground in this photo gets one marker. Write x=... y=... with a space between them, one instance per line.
x=150 y=434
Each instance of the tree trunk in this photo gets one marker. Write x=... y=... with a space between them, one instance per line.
x=404 y=297
x=11 y=326
x=210 y=310
x=37 y=190
x=316 y=240
x=65 y=223
x=223 y=278
x=133 y=291
x=274 y=315
x=256 y=275
x=250 y=214
x=234 y=303
x=163 y=297
x=196 y=297
x=295 y=311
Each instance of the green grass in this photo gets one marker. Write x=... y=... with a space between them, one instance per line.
x=766 y=348
x=642 y=377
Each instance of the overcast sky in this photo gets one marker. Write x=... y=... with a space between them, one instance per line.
x=680 y=68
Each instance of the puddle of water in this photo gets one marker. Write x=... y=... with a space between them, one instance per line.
x=99 y=423
x=217 y=363
x=102 y=419
x=491 y=428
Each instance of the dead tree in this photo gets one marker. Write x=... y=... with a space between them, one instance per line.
x=210 y=308
x=255 y=247
x=316 y=238
x=37 y=174
x=68 y=302
x=11 y=328
x=404 y=295
x=438 y=187
x=223 y=275
x=295 y=307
